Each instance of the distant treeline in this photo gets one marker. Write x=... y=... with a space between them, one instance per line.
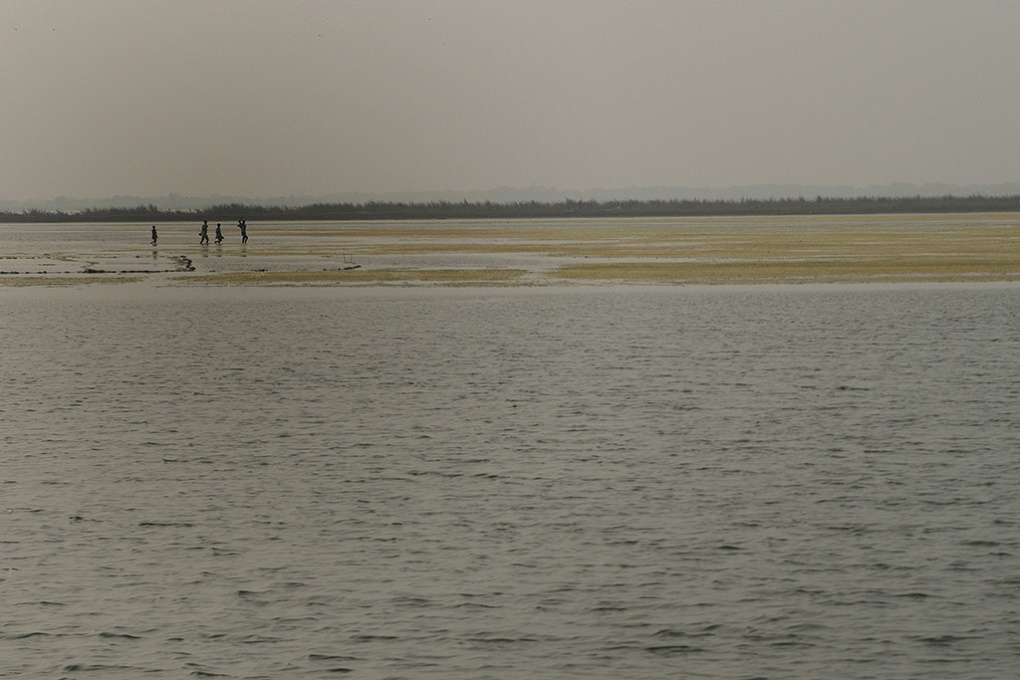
x=532 y=209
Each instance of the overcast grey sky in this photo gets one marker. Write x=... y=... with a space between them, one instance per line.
x=273 y=97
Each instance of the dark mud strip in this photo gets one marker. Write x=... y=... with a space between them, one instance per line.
x=183 y=264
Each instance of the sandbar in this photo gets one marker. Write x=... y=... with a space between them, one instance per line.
x=982 y=247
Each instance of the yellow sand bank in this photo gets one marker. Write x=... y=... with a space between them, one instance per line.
x=799 y=249
x=662 y=251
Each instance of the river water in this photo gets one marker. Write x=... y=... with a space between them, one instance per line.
x=730 y=482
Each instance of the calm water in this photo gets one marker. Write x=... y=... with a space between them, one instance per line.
x=467 y=484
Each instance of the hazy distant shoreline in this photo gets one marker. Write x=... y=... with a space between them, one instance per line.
x=432 y=210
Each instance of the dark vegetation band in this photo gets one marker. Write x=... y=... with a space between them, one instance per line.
x=532 y=209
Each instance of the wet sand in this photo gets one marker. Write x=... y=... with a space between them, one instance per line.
x=742 y=250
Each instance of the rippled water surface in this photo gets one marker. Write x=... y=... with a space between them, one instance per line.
x=464 y=484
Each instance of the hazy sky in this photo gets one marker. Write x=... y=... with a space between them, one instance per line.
x=274 y=97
